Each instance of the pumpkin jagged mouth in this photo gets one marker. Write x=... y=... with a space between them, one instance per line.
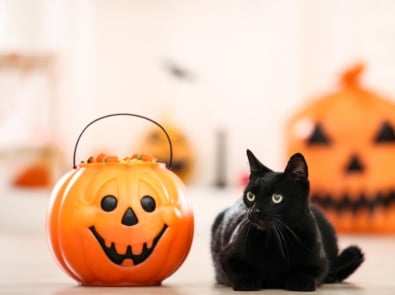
x=362 y=203
x=117 y=258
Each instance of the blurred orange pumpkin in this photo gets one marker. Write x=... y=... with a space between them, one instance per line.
x=155 y=143
x=348 y=139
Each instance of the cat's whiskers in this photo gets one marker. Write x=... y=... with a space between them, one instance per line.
x=269 y=234
x=242 y=231
x=247 y=233
x=280 y=238
x=290 y=231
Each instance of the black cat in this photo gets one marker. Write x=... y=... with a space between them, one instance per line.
x=274 y=238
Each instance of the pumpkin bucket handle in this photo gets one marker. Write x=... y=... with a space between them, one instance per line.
x=125 y=114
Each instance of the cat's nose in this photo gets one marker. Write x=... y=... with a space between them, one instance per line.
x=257 y=217
x=256 y=212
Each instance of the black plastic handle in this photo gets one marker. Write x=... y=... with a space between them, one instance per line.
x=125 y=114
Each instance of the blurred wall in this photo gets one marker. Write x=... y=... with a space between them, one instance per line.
x=245 y=66
x=242 y=76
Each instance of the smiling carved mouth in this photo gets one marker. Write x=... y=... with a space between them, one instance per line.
x=345 y=203
x=117 y=258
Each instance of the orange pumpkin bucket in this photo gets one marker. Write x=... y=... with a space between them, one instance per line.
x=115 y=221
x=348 y=139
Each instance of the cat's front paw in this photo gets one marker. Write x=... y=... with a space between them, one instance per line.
x=246 y=285
x=300 y=283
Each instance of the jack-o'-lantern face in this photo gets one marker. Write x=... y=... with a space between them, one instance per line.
x=348 y=139
x=116 y=223
x=145 y=217
x=156 y=144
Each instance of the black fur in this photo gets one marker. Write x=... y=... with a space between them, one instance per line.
x=275 y=238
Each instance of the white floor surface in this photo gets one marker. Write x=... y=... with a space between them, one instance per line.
x=26 y=266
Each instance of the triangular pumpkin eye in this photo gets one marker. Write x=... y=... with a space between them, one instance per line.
x=386 y=134
x=318 y=136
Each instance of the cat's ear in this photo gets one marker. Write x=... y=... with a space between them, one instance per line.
x=256 y=167
x=297 y=167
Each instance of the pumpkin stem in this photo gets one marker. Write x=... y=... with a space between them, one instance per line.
x=350 y=77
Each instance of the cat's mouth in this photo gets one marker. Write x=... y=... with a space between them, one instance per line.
x=363 y=202
x=258 y=223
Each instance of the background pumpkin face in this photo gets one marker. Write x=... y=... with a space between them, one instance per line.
x=120 y=223
x=348 y=139
x=156 y=144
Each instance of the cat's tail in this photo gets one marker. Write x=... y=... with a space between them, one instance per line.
x=345 y=264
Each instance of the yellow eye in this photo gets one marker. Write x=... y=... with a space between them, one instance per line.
x=250 y=197
x=277 y=198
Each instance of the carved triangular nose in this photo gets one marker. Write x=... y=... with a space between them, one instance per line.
x=129 y=218
x=355 y=165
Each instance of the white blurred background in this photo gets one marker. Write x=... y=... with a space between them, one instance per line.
x=241 y=67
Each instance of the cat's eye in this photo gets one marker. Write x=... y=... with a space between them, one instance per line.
x=277 y=198
x=250 y=197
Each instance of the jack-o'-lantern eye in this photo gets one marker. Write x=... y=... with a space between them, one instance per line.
x=148 y=203
x=109 y=203
x=386 y=134
x=318 y=136
x=154 y=137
